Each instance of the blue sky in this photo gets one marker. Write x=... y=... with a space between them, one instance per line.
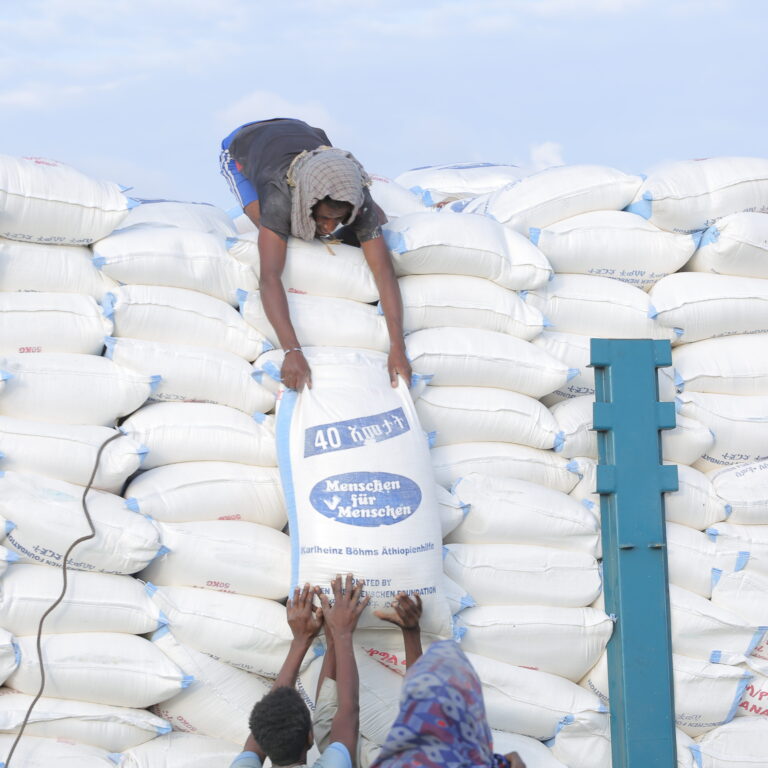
x=142 y=91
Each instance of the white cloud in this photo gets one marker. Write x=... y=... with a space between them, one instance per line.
x=261 y=105
x=38 y=95
x=545 y=155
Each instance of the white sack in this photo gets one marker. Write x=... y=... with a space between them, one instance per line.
x=527 y=701
x=701 y=306
x=9 y=654
x=730 y=365
x=708 y=632
x=562 y=641
x=598 y=307
x=49 y=268
x=322 y=320
x=176 y=432
x=739 y=424
x=68 y=452
x=7 y=558
x=45 y=201
x=750 y=539
x=51 y=322
x=359 y=487
x=485 y=414
x=219 y=699
x=737 y=244
x=691 y=559
x=393 y=198
x=584 y=740
x=70 y=389
x=573 y=350
x=210 y=490
x=201 y=217
x=614 y=244
x=451 y=510
x=180 y=316
x=520 y=512
x=49 y=516
x=100 y=725
x=456 y=244
x=182 y=750
x=733 y=745
x=754 y=700
x=504 y=460
x=695 y=503
x=193 y=374
x=103 y=667
x=34 y=752
x=149 y=254
x=743 y=488
x=532 y=752
x=102 y=602
x=434 y=301
x=436 y=183
x=318 y=267
x=687 y=195
x=251 y=633
x=554 y=194
x=480 y=358
x=743 y=592
x=224 y=555
x=511 y=574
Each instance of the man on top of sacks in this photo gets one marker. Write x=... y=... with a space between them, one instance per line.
x=291 y=181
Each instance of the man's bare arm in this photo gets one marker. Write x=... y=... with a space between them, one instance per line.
x=253 y=212
x=272 y=250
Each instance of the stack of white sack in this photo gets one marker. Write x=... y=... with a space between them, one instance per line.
x=61 y=401
x=717 y=323
x=210 y=480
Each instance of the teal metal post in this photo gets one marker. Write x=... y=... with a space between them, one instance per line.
x=630 y=480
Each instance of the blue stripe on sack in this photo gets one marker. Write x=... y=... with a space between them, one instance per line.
x=573 y=373
x=715 y=657
x=16 y=652
x=445 y=552
x=534 y=233
x=259 y=417
x=154 y=382
x=161 y=553
x=8 y=526
x=109 y=343
x=652 y=312
x=160 y=632
x=756 y=638
x=115 y=757
x=161 y=730
x=98 y=261
x=728 y=511
x=242 y=297
x=163 y=620
x=283 y=440
x=132 y=203
x=737 y=698
x=457 y=632
x=709 y=236
x=132 y=503
x=642 y=207
x=431 y=438
x=590 y=505
x=696 y=753
x=464 y=509
x=712 y=533
x=9 y=556
x=559 y=442
x=231 y=241
x=741 y=561
x=150 y=588
x=573 y=466
x=5 y=375
x=715 y=577
x=395 y=240
x=467 y=601
x=142 y=452
x=187 y=680
x=108 y=304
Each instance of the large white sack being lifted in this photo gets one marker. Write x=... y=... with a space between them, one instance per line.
x=736 y=245
x=613 y=244
x=554 y=194
x=146 y=254
x=434 y=301
x=210 y=490
x=68 y=452
x=475 y=246
x=180 y=316
x=51 y=322
x=690 y=195
x=181 y=750
x=45 y=201
x=69 y=388
x=49 y=516
x=193 y=374
x=359 y=486
x=50 y=268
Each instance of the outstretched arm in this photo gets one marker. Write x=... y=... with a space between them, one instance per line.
x=380 y=263
x=272 y=248
x=406 y=614
x=341 y=620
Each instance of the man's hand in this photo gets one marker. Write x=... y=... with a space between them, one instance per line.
x=398 y=365
x=406 y=613
x=304 y=618
x=295 y=372
x=515 y=761
x=341 y=617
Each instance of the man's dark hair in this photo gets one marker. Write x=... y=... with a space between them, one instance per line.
x=281 y=724
x=341 y=206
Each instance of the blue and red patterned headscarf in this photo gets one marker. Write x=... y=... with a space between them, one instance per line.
x=442 y=722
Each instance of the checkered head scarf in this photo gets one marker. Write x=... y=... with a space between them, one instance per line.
x=319 y=173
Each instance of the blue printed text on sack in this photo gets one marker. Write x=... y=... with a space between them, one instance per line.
x=366 y=498
x=355 y=433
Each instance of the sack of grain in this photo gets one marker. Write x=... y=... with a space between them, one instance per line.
x=555 y=194
x=9 y=654
x=739 y=742
x=210 y=490
x=181 y=750
x=70 y=389
x=176 y=432
x=201 y=217
x=68 y=452
x=696 y=502
x=393 y=198
x=690 y=195
x=752 y=539
x=35 y=752
x=473 y=246
x=742 y=488
x=193 y=374
x=614 y=244
x=45 y=201
x=743 y=592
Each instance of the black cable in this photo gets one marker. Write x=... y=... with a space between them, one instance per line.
x=60 y=597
